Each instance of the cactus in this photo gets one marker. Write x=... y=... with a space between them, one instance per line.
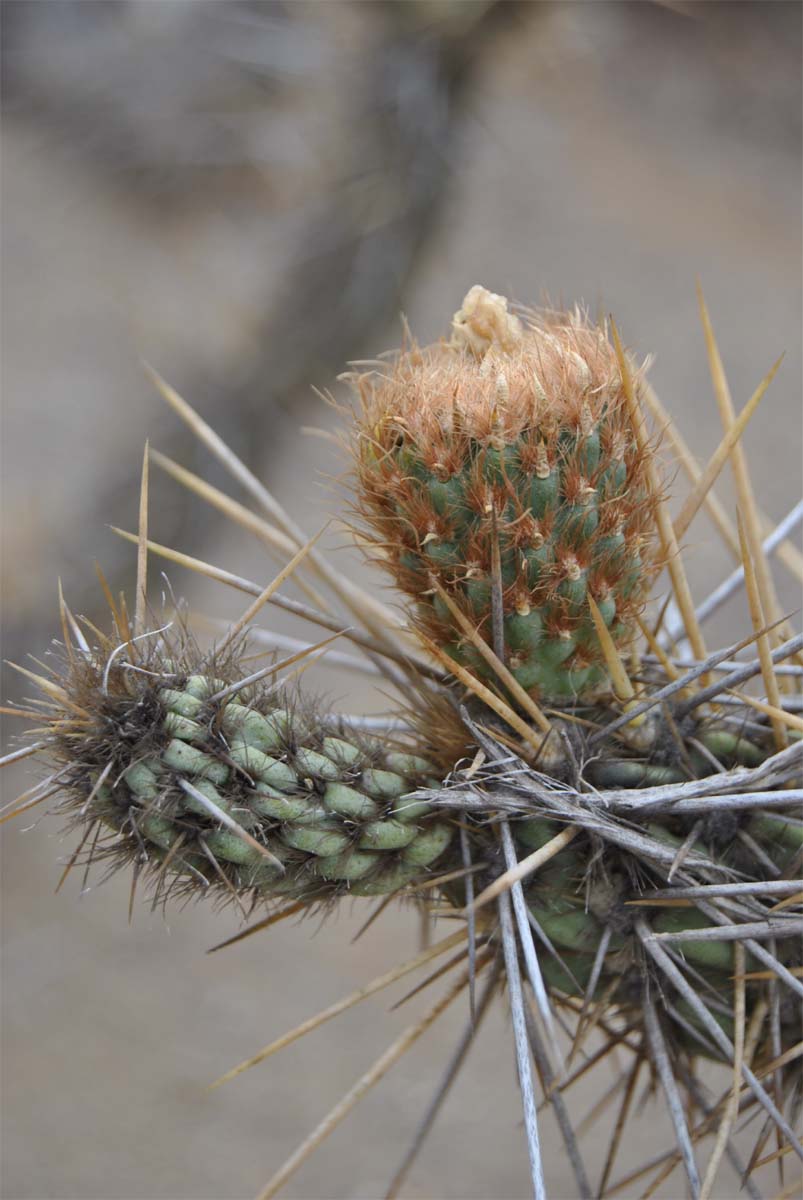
x=508 y=482
x=235 y=787
x=515 y=437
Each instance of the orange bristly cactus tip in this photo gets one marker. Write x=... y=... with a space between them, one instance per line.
x=515 y=430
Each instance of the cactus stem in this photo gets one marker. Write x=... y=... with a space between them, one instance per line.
x=510 y=681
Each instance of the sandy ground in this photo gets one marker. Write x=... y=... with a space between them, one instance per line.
x=607 y=157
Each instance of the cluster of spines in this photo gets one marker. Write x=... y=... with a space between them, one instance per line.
x=576 y=900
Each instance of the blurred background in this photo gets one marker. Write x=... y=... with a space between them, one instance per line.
x=247 y=194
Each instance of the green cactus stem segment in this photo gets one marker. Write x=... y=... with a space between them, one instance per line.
x=527 y=443
x=191 y=775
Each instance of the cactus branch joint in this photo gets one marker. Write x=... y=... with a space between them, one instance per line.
x=603 y=805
